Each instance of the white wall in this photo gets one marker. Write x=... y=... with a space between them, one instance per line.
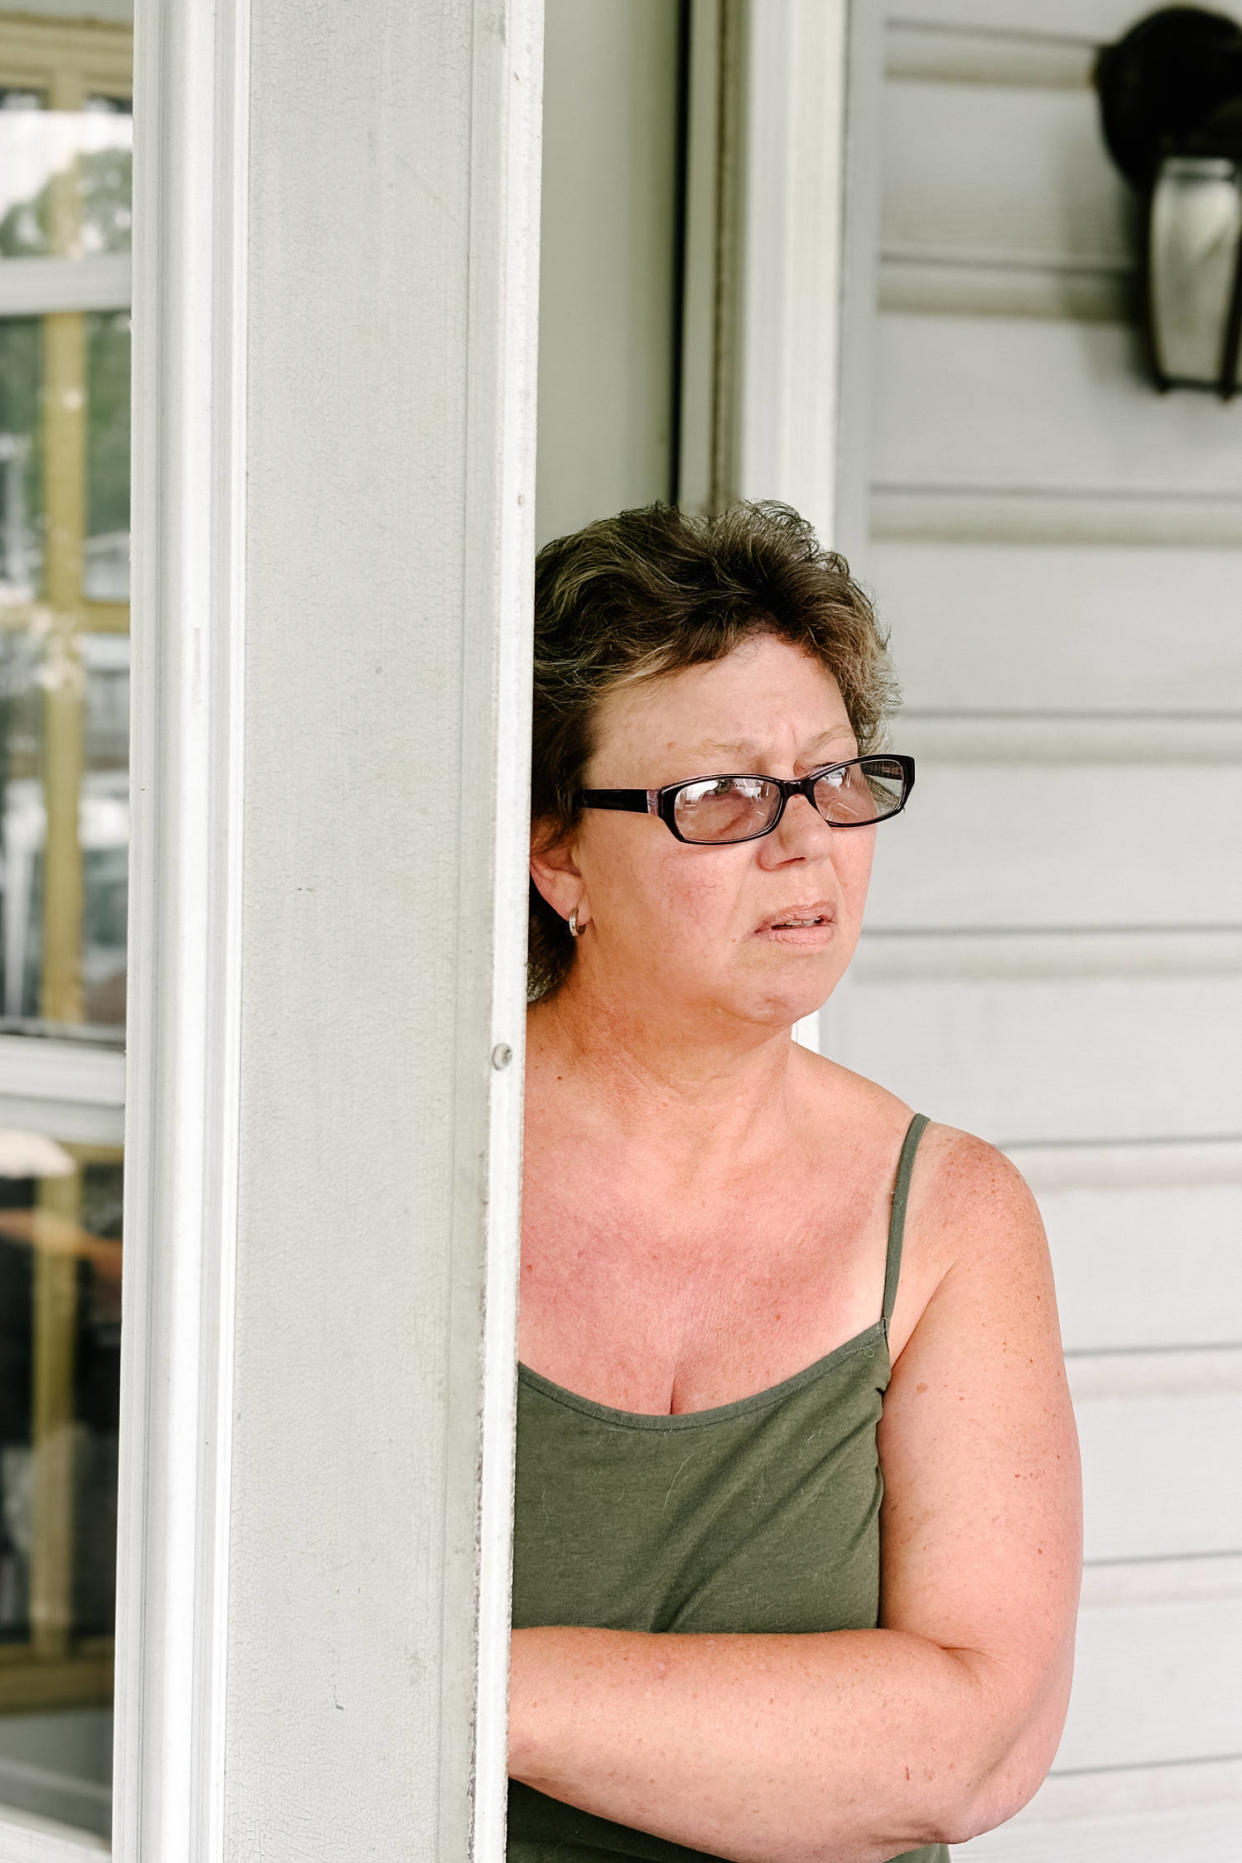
x=1054 y=952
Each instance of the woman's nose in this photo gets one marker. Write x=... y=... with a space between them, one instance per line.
x=801 y=833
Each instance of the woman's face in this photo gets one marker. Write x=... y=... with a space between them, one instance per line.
x=670 y=928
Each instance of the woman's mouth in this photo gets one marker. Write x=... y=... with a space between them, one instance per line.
x=812 y=925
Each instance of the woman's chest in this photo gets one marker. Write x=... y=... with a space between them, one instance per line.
x=670 y=1311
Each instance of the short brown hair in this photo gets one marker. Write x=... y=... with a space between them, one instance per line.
x=656 y=590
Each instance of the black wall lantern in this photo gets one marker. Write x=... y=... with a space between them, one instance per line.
x=1171 y=100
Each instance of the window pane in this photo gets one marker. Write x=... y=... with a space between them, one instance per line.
x=21 y=459
x=60 y=1289
x=64 y=668
x=65 y=211
x=105 y=567
x=64 y=178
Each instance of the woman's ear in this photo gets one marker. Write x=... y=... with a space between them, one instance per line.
x=553 y=870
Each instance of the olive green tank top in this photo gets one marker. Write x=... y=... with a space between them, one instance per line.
x=761 y=1515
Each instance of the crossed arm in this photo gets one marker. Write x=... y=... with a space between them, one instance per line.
x=853 y=1746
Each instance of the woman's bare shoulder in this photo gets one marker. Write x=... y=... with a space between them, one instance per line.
x=967 y=1202
x=966 y=1191
x=970 y=1216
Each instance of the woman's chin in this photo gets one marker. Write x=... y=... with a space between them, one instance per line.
x=801 y=991
x=778 y=1009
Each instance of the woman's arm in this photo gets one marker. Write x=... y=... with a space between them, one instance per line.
x=851 y=1746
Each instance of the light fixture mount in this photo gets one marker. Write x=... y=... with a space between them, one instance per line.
x=1170 y=98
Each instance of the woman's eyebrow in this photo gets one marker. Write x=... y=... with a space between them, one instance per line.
x=746 y=747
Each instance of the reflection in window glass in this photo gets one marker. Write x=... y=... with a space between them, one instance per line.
x=64 y=668
x=65 y=213
x=60 y=1266
x=105 y=567
x=21 y=459
x=65 y=180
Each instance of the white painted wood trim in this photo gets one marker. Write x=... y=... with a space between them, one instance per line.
x=191 y=107
x=33 y=287
x=791 y=266
x=506 y=164
x=791 y=255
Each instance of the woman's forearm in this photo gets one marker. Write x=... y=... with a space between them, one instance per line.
x=846 y=1747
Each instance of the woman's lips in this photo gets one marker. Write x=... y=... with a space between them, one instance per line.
x=811 y=925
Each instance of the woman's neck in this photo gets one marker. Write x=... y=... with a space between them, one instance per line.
x=684 y=1088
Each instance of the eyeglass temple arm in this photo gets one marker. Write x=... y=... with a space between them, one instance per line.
x=631 y=801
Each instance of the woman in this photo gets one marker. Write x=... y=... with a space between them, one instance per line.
x=797 y=1526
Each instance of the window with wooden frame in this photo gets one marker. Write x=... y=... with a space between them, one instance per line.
x=65 y=190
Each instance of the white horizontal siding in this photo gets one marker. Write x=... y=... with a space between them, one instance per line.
x=1068 y=844
x=1159 y=1434
x=1010 y=628
x=1157 y=1677
x=1153 y=1265
x=1190 y=1833
x=1054 y=947
x=1049 y=1059
x=1001 y=176
x=1023 y=405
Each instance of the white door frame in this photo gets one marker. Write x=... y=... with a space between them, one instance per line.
x=791 y=255
x=191 y=109
x=258 y=1666
x=789 y=390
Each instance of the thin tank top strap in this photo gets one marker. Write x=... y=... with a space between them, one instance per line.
x=897 y=1220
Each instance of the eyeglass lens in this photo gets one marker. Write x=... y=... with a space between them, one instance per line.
x=735 y=808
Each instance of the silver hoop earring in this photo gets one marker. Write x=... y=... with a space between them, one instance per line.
x=575 y=930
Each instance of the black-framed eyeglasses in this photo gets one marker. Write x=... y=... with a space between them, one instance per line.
x=717 y=811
